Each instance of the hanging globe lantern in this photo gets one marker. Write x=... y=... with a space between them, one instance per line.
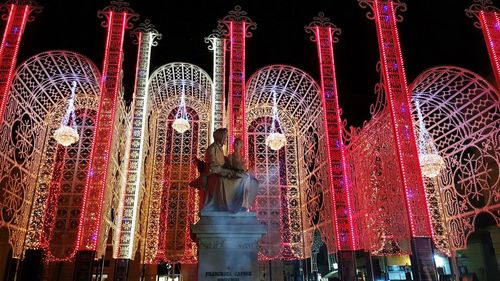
x=181 y=125
x=276 y=141
x=181 y=122
x=431 y=164
x=67 y=134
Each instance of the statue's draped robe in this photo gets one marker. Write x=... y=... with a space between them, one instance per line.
x=225 y=189
x=250 y=184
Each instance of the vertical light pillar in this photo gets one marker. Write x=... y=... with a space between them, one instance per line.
x=488 y=20
x=398 y=100
x=117 y=20
x=238 y=25
x=18 y=15
x=218 y=44
x=340 y=194
x=131 y=195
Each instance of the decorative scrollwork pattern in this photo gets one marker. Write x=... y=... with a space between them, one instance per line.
x=322 y=21
x=39 y=92
x=303 y=170
x=171 y=204
x=238 y=15
x=461 y=111
x=480 y=6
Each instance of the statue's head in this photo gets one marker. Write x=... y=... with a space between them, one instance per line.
x=238 y=144
x=220 y=135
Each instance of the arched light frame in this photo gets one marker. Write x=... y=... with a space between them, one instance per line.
x=166 y=84
x=299 y=100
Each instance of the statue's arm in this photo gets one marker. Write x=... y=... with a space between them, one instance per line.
x=214 y=165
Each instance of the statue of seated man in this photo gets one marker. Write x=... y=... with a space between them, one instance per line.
x=226 y=184
x=249 y=184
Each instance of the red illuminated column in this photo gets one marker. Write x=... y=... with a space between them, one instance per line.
x=117 y=17
x=488 y=19
x=340 y=191
x=238 y=25
x=398 y=100
x=18 y=15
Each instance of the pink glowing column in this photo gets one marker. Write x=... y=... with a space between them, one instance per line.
x=398 y=101
x=488 y=19
x=399 y=104
x=117 y=21
x=18 y=16
x=238 y=25
x=340 y=191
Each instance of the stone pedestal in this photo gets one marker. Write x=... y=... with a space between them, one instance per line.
x=228 y=246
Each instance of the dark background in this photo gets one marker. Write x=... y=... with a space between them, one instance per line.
x=434 y=32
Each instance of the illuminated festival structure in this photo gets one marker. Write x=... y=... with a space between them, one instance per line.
x=333 y=200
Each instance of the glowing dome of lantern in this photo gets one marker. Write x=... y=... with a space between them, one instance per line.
x=276 y=141
x=66 y=135
x=181 y=125
x=431 y=164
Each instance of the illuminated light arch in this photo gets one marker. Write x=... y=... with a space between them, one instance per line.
x=461 y=111
x=171 y=206
x=303 y=173
x=39 y=93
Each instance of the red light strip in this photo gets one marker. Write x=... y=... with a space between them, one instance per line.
x=342 y=148
x=236 y=103
x=340 y=194
x=10 y=59
x=231 y=98
x=243 y=96
x=49 y=218
x=98 y=165
x=329 y=157
x=90 y=173
x=161 y=255
x=397 y=94
x=490 y=23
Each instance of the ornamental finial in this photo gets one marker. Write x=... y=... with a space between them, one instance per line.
x=238 y=15
x=118 y=6
x=217 y=33
x=480 y=6
x=147 y=27
x=34 y=7
x=374 y=5
x=321 y=21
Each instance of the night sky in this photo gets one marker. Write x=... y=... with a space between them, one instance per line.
x=434 y=32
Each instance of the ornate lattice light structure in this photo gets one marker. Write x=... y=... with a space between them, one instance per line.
x=67 y=134
x=463 y=111
x=431 y=162
x=181 y=122
x=170 y=206
x=276 y=139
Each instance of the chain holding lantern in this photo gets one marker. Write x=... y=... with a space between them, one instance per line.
x=181 y=122
x=67 y=134
x=276 y=139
